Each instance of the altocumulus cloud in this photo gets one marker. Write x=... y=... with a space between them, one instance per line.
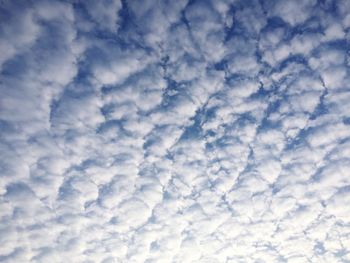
x=175 y=131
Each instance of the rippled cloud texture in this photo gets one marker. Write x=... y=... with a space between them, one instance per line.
x=175 y=131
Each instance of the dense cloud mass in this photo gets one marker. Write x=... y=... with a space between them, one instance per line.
x=175 y=131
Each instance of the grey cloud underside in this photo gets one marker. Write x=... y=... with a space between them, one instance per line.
x=175 y=131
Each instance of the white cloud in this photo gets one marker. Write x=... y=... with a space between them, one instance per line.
x=104 y=13
x=293 y=12
x=145 y=133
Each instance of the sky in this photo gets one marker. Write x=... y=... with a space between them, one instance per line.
x=179 y=131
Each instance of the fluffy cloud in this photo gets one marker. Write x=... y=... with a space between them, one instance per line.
x=174 y=131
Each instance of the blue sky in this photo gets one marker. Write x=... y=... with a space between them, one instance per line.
x=175 y=131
